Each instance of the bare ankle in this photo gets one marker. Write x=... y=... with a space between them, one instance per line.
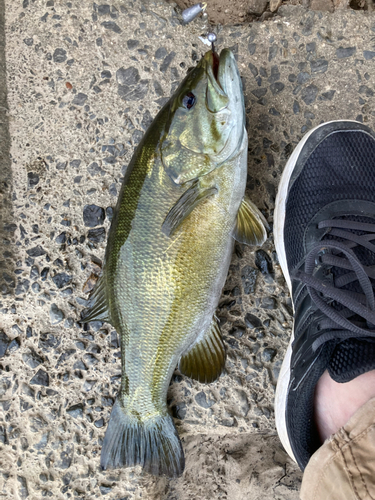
x=335 y=403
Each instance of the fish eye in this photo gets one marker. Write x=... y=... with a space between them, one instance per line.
x=188 y=100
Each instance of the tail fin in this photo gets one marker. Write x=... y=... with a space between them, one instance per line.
x=154 y=444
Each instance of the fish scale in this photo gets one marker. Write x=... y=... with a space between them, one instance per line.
x=179 y=211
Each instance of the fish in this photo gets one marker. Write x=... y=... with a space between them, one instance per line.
x=181 y=207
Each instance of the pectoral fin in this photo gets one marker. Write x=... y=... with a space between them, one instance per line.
x=205 y=360
x=97 y=305
x=251 y=224
x=184 y=206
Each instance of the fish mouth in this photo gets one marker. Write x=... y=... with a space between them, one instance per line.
x=216 y=96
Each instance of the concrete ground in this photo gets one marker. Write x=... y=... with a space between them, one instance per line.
x=80 y=83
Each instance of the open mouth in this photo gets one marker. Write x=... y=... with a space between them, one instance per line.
x=215 y=64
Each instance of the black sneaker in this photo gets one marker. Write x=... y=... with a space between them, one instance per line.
x=325 y=239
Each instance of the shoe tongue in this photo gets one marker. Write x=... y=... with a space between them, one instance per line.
x=351 y=358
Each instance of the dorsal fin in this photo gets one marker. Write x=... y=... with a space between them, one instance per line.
x=251 y=224
x=205 y=360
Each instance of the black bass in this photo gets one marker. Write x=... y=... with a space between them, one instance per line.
x=180 y=209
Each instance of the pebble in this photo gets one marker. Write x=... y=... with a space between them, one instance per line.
x=56 y=315
x=32 y=179
x=97 y=235
x=4 y=343
x=203 y=400
x=93 y=215
x=31 y=358
x=40 y=378
x=252 y=321
x=62 y=279
x=79 y=99
x=37 y=251
x=59 y=56
x=263 y=262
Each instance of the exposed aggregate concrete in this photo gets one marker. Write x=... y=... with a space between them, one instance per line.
x=83 y=83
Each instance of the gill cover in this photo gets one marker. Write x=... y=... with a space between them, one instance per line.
x=201 y=137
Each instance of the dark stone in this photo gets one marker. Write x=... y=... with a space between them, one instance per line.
x=48 y=342
x=160 y=53
x=252 y=321
x=146 y=120
x=56 y=314
x=22 y=286
x=40 y=378
x=132 y=44
x=103 y=10
x=296 y=107
x=99 y=423
x=327 y=96
x=61 y=279
x=109 y=213
x=44 y=273
x=272 y=52
x=75 y=163
x=368 y=54
x=343 y=52
x=277 y=87
x=268 y=303
x=275 y=75
x=107 y=401
x=319 y=66
x=158 y=88
x=34 y=272
x=303 y=77
x=79 y=99
x=203 y=401
x=179 y=411
x=263 y=262
x=96 y=235
x=66 y=458
x=311 y=47
x=106 y=74
x=292 y=77
x=35 y=287
x=31 y=358
x=4 y=343
x=112 y=26
x=309 y=94
x=94 y=169
x=253 y=69
x=363 y=89
x=99 y=42
x=248 y=277
x=28 y=41
x=167 y=61
x=93 y=215
x=252 y=48
x=37 y=251
x=62 y=165
x=61 y=238
x=259 y=93
x=59 y=55
x=75 y=411
x=308 y=24
x=268 y=354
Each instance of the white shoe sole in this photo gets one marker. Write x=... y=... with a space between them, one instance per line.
x=279 y=219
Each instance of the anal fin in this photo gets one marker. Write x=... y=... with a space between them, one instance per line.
x=251 y=224
x=97 y=305
x=205 y=360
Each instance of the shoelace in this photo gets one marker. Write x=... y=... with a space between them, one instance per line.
x=337 y=324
